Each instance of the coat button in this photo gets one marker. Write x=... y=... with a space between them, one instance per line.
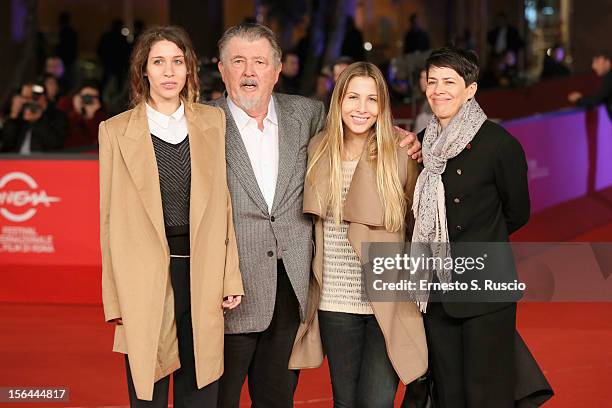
x=456 y=200
x=459 y=171
x=272 y=218
x=270 y=254
x=459 y=228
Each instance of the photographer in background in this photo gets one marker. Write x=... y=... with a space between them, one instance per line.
x=84 y=116
x=33 y=124
x=289 y=79
x=602 y=65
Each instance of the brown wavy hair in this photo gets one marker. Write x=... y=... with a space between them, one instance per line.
x=139 y=84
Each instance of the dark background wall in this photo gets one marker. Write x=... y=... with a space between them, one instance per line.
x=8 y=50
x=591 y=28
x=203 y=20
x=588 y=25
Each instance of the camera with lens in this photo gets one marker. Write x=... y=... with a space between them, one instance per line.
x=88 y=99
x=37 y=91
x=33 y=106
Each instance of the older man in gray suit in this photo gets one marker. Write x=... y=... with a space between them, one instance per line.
x=267 y=139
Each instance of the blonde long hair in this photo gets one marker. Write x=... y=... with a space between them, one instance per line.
x=381 y=147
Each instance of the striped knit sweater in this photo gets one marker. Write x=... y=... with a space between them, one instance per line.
x=343 y=290
x=174 y=166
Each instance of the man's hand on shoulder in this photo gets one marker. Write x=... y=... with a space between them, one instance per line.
x=409 y=138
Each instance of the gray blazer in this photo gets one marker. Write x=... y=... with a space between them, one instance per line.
x=285 y=232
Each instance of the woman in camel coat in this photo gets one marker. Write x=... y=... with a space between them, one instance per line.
x=169 y=256
x=396 y=328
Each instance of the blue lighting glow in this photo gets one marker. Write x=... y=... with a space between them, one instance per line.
x=531 y=14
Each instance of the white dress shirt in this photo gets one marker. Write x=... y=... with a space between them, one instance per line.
x=27 y=143
x=171 y=129
x=262 y=147
x=501 y=42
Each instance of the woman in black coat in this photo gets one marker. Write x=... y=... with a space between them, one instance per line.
x=473 y=189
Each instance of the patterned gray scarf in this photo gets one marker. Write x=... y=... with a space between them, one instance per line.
x=430 y=235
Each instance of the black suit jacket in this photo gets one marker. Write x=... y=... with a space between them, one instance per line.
x=48 y=133
x=416 y=40
x=514 y=42
x=487 y=199
x=603 y=95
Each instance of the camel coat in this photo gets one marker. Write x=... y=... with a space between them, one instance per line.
x=401 y=322
x=135 y=256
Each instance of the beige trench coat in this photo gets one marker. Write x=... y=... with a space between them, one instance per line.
x=400 y=322
x=135 y=256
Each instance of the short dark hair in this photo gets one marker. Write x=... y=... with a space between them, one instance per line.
x=604 y=53
x=343 y=60
x=464 y=62
x=88 y=83
x=287 y=53
x=30 y=81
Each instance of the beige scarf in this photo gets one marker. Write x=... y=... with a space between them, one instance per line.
x=430 y=235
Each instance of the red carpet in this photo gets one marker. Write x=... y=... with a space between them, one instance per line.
x=48 y=345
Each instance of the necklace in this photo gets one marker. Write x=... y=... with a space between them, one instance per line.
x=352 y=158
x=357 y=145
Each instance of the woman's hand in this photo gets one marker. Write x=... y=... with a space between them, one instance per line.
x=410 y=138
x=231 y=302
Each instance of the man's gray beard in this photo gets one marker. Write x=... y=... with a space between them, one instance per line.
x=249 y=103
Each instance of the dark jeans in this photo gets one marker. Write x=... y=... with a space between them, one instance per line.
x=264 y=356
x=360 y=369
x=472 y=359
x=186 y=392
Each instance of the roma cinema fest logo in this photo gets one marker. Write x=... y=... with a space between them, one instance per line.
x=20 y=197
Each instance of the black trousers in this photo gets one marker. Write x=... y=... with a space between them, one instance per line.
x=264 y=356
x=186 y=393
x=472 y=359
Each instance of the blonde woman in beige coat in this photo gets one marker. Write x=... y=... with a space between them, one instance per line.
x=354 y=167
x=169 y=257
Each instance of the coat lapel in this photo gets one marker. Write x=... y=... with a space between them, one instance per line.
x=137 y=151
x=288 y=141
x=201 y=149
x=238 y=159
x=315 y=193
x=362 y=204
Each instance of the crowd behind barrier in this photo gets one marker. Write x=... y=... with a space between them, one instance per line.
x=70 y=125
